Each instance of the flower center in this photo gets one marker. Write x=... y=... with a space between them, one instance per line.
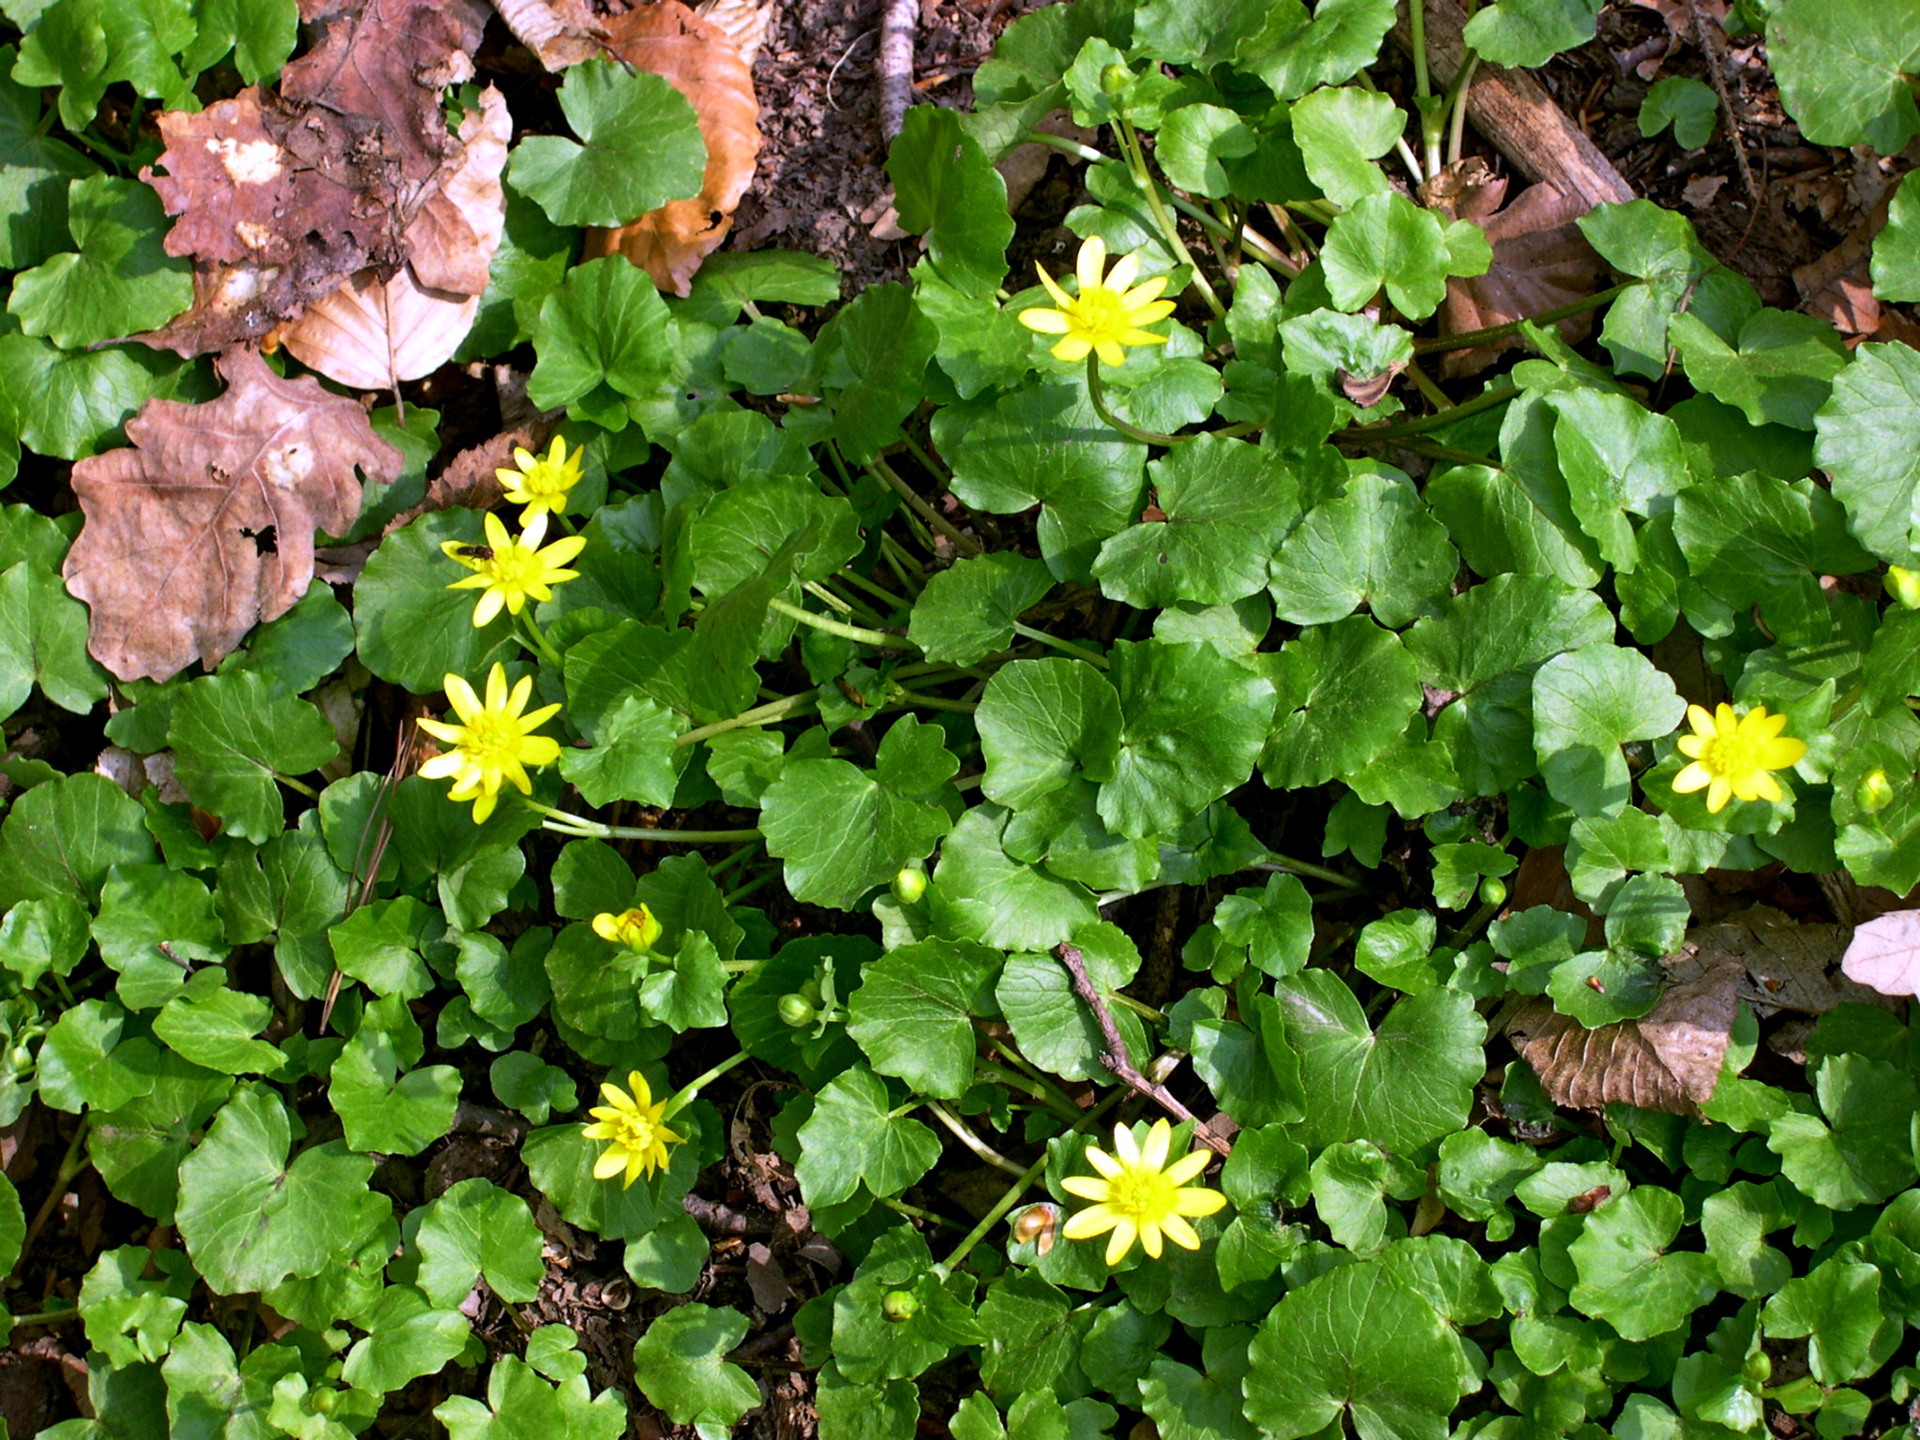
x=514 y=567
x=633 y=1132
x=1731 y=755
x=1141 y=1196
x=491 y=738
x=1101 y=313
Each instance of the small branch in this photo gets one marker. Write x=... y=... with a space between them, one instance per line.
x=1116 y=1059
x=895 y=65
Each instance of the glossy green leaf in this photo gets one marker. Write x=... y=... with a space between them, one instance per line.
x=1531 y=32
x=233 y=736
x=119 y=280
x=475 y=1230
x=639 y=147
x=1375 y=546
x=945 y=188
x=601 y=336
x=913 y=1013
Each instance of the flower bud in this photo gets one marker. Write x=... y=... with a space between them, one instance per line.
x=899 y=1305
x=636 y=929
x=909 y=885
x=1874 y=792
x=1115 y=79
x=1493 y=891
x=796 y=1010
x=1904 y=586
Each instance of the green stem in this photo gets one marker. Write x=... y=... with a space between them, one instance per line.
x=884 y=596
x=562 y=822
x=826 y=597
x=71 y=1164
x=1098 y=394
x=739 y=893
x=1138 y=1007
x=1457 y=99
x=686 y=1094
x=889 y=477
x=1498 y=395
x=1417 y=26
x=834 y=627
x=537 y=642
x=962 y=1132
x=925 y=457
x=741 y=967
x=914 y=1212
x=47 y=1317
x=1067 y=647
x=1467 y=339
x=1309 y=869
x=899 y=694
x=1027 y=1083
x=767 y=714
x=299 y=787
x=1137 y=162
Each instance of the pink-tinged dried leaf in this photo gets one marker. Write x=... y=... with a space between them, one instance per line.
x=1885 y=953
x=1540 y=259
x=370 y=334
x=559 y=32
x=702 y=63
x=203 y=526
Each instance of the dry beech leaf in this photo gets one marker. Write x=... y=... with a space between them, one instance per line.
x=370 y=333
x=746 y=22
x=702 y=63
x=1540 y=259
x=204 y=525
x=1885 y=953
x=280 y=196
x=559 y=32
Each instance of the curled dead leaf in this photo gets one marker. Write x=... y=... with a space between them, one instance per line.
x=702 y=62
x=1885 y=953
x=203 y=525
x=559 y=32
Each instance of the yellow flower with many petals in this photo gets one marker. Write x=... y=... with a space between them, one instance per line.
x=542 y=481
x=1106 y=316
x=513 y=571
x=635 y=1129
x=1732 y=754
x=637 y=929
x=492 y=743
x=1139 y=1194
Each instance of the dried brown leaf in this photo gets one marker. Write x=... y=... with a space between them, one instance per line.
x=203 y=526
x=703 y=64
x=746 y=22
x=559 y=32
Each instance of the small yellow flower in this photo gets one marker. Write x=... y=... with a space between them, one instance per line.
x=1107 y=315
x=634 y=1127
x=513 y=571
x=636 y=929
x=1732 y=754
x=493 y=742
x=1139 y=1194
x=542 y=482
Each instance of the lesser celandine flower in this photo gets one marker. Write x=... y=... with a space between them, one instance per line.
x=493 y=743
x=637 y=929
x=1732 y=754
x=1106 y=316
x=1140 y=1195
x=513 y=570
x=634 y=1128
x=542 y=481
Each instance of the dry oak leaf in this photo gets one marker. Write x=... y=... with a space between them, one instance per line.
x=371 y=333
x=702 y=62
x=204 y=525
x=1540 y=259
x=1885 y=953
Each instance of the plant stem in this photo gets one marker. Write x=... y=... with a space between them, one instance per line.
x=889 y=477
x=686 y=1094
x=899 y=694
x=1098 y=394
x=1067 y=647
x=299 y=787
x=927 y=461
x=578 y=826
x=772 y=711
x=47 y=1317
x=964 y=1134
x=914 y=1212
x=1138 y=1007
x=1457 y=99
x=541 y=646
x=1422 y=382
x=826 y=597
x=1466 y=339
x=1309 y=869
x=1137 y=162
x=71 y=1164
x=884 y=596
x=1022 y=1078
x=835 y=627
x=1498 y=395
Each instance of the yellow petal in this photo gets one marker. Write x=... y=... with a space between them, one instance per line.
x=609 y=1164
x=1091 y=262
x=1180 y=1232
x=1188 y=1166
x=1153 y=1154
x=1691 y=745
x=1701 y=721
x=1197 y=1202
x=1111 y=352
x=1121 y=1242
x=1072 y=349
x=497 y=687
x=1779 y=754
x=1144 y=292
x=1123 y=272
x=1094 y=1220
x=1047 y=322
x=1125 y=1148
x=1052 y=287
x=1695 y=777
x=460 y=695
x=1103 y=1162
x=1717 y=794
x=489 y=607
x=1149 y=1240
x=1087 y=1187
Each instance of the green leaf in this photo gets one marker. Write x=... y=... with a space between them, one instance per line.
x=560 y=1163
x=1639 y=238
x=1193 y=140
x=1779 y=371
x=680 y=1365
x=853 y=1136
x=1627 y=1278
x=1375 y=545
x=233 y=736
x=1354 y=1342
x=303 y=646
x=1843 y=70
x=739 y=530
x=1386 y=241
x=379 y=945
x=1586 y=704
x=634 y=755
x=43 y=641
x=1512 y=622
x=531 y=262
x=145 y=907
x=217 y=1031
x=71 y=404
x=128 y=1319
x=522 y=1406
x=531 y=1086
x=842 y=831
x=981 y=345
x=1042 y=722
x=260 y=33
x=1053 y=1027
x=871 y=360
x=1224 y=505
x=118 y=282
x=1896 y=249
x=1402 y=1087
x=601 y=337
x=474 y=1229
x=639 y=147
x=406 y=1338
x=410 y=628
x=1689 y=105
x=83 y=46
x=1188 y=1405
x=1528 y=33
x=1500 y=528
x=1192 y=725
x=967 y=612
x=1294 y=54
x=61 y=838
x=1341 y=132
x=1837 y=1307
x=1346 y=691
x=88 y=1060
x=982 y=893
x=913 y=1013
x=383 y=1109
x=34 y=172
x=945 y=188
x=1617 y=457
x=250 y=1219
x=138 y=1146
x=868 y=1344
x=1862 y=1152
x=1862 y=445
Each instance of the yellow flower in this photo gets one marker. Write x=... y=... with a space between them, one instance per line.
x=493 y=742
x=1732 y=754
x=1106 y=316
x=513 y=571
x=634 y=1127
x=542 y=482
x=636 y=929
x=1139 y=1194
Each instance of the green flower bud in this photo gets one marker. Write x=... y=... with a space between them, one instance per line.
x=1904 y=586
x=909 y=885
x=19 y=1058
x=1115 y=79
x=1874 y=792
x=798 y=1011
x=899 y=1305
x=1493 y=891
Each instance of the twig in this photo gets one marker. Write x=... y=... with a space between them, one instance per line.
x=1116 y=1059
x=895 y=64
x=1716 y=67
